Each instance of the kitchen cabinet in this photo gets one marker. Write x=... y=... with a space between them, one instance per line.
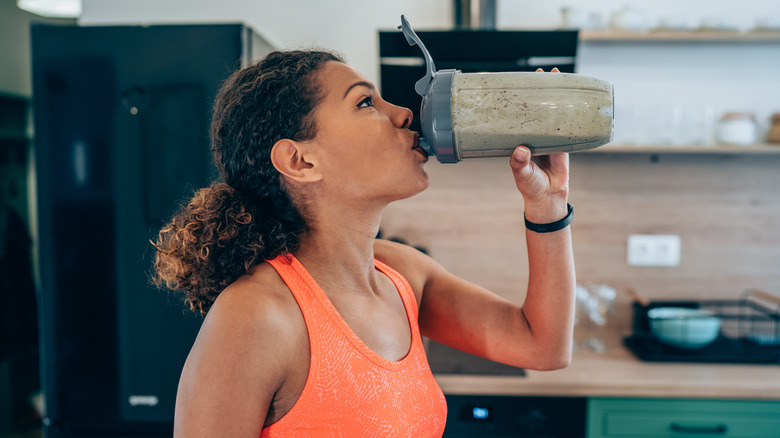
x=655 y=418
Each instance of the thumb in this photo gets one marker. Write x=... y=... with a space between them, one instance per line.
x=520 y=160
x=521 y=164
x=528 y=177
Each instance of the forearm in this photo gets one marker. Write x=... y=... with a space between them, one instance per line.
x=549 y=303
x=547 y=314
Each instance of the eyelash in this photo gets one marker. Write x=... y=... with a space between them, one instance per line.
x=368 y=100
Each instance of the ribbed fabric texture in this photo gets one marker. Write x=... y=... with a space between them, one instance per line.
x=350 y=390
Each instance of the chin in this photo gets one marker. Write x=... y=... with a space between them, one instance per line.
x=412 y=190
x=424 y=183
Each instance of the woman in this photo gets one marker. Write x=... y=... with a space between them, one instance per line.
x=312 y=325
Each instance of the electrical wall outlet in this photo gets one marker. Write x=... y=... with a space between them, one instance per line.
x=653 y=250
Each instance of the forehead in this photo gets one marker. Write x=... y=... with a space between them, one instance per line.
x=336 y=77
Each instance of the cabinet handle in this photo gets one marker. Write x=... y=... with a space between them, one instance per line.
x=720 y=429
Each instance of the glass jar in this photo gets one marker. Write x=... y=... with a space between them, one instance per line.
x=737 y=128
x=774 y=129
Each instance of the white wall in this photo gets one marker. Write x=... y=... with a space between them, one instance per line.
x=346 y=26
x=652 y=81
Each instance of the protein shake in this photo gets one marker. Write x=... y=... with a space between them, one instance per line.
x=472 y=115
x=492 y=113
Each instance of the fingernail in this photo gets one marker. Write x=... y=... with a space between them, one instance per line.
x=521 y=154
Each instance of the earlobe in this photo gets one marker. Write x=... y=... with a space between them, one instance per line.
x=289 y=159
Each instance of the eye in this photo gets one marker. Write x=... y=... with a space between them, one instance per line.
x=367 y=102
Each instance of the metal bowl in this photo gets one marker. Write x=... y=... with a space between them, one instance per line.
x=684 y=327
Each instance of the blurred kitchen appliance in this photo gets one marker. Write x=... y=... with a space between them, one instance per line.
x=470 y=51
x=121 y=135
x=749 y=331
x=487 y=416
x=19 y=358
x=474 y=14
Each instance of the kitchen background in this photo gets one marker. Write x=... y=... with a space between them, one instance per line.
x=722 y=205
x=668 y=177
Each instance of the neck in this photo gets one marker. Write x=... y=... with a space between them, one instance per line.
x=339 y=250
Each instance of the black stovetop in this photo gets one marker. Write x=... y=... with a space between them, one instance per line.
x=447 y=360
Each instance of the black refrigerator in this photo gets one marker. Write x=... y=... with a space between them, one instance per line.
x=121 y=119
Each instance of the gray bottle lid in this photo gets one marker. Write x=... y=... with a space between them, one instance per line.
x=436 y=109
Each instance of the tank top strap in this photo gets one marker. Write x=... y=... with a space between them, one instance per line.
x=406 y=292
x=302 y=286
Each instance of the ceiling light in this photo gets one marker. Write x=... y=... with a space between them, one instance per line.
x=52 y=8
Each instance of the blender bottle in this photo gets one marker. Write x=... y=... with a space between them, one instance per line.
x=473 y=115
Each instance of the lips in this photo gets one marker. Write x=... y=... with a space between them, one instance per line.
x=416 y=146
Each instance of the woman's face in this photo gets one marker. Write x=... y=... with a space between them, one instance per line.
x=363 y=145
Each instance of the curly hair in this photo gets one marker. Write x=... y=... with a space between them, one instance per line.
x=232 y=226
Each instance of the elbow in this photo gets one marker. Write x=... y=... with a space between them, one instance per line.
x=552 y=361
x=557 y=363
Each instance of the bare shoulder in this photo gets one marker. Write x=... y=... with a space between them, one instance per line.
x=255 y=305
x=254 y=318
x=260 y=300
x=246 y=349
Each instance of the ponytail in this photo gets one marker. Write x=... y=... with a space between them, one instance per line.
x=230 y=227
x=214 y=239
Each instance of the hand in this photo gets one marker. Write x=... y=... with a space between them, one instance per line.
x=543 y=181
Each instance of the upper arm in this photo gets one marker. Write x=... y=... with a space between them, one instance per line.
x=468 y=317
x=234 y=368
x=461 y=314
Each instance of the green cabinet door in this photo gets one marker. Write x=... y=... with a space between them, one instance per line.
x=657 y=418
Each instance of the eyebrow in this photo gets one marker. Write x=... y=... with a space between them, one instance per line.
x=358 y=84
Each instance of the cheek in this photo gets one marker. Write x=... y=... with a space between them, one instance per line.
x=341 y=160
x=359 y=150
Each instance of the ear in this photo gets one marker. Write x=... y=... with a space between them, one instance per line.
x=289 y=158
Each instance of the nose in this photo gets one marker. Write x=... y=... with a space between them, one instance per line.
x=402 y=117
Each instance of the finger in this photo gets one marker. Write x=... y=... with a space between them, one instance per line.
x=538 y=70
x=555 y=70
x=558 y=169
x=559 y=164
x=528 y=177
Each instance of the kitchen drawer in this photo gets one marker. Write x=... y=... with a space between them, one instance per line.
x=656 y=418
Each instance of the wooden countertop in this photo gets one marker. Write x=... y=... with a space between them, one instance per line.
x=618 y=373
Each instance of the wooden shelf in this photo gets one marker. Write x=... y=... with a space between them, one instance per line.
x=681 y=36
x=762 y=148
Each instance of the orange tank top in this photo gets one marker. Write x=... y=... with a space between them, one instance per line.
x=351 y=391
